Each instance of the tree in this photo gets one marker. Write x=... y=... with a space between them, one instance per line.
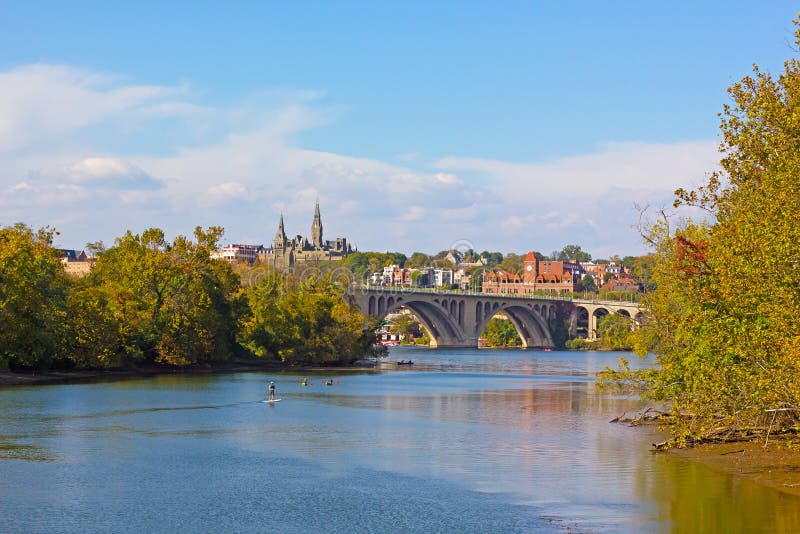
x=418 y=260
x=500 y=332
x=614 y=332
x=303 y=322
x=574 y=253
x=727 y=295
x=588 y=284
x=33 y=293
x=405 y=325
x=150 y=300
x=511 y=263
x=492 y=258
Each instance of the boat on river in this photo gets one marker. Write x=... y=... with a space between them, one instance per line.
x=405 y=362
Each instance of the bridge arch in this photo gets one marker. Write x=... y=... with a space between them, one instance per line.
x=527 y=321
x=434 y=316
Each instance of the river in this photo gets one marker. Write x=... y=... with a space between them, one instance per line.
x=462 y=441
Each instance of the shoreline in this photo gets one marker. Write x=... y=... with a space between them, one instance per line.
x=13 y=379
x=776 y=466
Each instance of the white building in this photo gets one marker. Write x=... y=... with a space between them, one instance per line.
x=238 y=253
x=442 y=277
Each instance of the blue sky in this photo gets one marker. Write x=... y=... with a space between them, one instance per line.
x=507 y=125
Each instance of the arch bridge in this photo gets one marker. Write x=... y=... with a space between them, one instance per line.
x=457 y=319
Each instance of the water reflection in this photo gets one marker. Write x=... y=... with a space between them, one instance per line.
x=472 y=440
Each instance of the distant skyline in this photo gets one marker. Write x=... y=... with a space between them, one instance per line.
x=418 y=126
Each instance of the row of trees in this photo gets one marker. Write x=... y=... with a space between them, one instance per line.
x=151 y=301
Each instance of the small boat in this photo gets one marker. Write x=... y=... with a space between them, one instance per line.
x=405 y=362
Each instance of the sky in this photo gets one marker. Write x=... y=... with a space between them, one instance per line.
x=419 y=126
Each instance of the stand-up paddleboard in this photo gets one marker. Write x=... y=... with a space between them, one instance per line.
x=271 y=401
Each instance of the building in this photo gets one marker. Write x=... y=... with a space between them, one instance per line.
x=597 y=271
x=442 y=277
x=75 y=263
x=286 y=253
x=238 y=253
x=623 y=283
x=537 y=275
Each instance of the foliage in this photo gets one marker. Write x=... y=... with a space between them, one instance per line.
x=500 y=332
x=33 y=294
x=304 y=321
x=574 y=253
x=511 y=263
x=492 y=258
x=580 y=343
x=418 y=260
x=405 y=325
x=587 y=283
x=149 y=300
x=615 y=332
x=727 y=295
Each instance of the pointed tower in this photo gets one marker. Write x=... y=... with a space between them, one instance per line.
x=316 y=229
x=280 y=238
x=530 y=268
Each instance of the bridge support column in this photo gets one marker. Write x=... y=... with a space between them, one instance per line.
x=591 y=334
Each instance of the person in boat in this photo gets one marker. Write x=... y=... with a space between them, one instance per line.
x=329 y=382
x=271 y=390
x=304 y=381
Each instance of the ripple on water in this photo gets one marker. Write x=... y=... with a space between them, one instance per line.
x=23 y=451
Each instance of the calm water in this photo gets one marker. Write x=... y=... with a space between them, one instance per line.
x=465 y=441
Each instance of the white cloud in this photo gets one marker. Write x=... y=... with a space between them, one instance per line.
x=413 y=214
x=111 y=173
x=42 y=101
x=227 y=190
x=623 y=166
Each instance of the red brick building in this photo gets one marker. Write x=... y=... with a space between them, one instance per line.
x=537 y=275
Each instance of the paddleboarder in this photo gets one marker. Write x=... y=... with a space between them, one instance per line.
x=271 y=389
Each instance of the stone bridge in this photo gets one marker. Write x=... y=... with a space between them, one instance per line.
x=457 y=319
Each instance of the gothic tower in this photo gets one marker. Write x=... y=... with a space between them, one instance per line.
x=280 y=238
x=316 y=229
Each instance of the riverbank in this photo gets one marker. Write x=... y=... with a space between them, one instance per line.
x=776 y=466
x=8 y=378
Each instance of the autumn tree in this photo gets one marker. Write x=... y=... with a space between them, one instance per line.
x=33 y=294
x=723 y=314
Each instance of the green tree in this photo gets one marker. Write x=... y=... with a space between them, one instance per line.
x=492 y=258
x=418 y=260
x=574 y=253
x=149 y=300
x=500 y=332
x=303 y=322
x=588 y=284
x=33 y=293
x=614 y=332
x=405 y=325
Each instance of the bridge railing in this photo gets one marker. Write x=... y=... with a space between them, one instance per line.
x=528 y=296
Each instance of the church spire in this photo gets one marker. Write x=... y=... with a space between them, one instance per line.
x=280 y=236
x=316 y=228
